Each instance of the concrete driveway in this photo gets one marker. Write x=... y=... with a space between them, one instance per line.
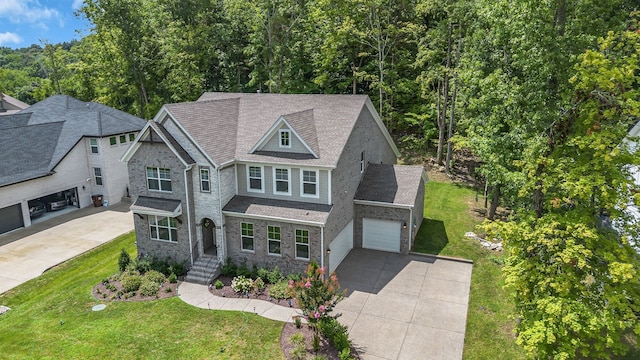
x=26 y=253
x=404 y=306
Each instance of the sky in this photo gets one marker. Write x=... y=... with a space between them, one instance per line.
x=26 y=22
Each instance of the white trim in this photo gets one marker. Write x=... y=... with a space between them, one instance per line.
x=175 y=241
x=262 y=181
x=159 y=179
x=271 y=132
x=97 y=146
x=275 y=191
x=145 y=130
x=186 y=191
x=383 y=204
x=271 y=239
x=223 y=252
x=295 y=244
x=208 y=170
x=253 y=237
x=273 y=218
x=329 y=181
x=322 y=251
x=380 y=124
x=284 y=131
x=177 y=212
x=302 y=194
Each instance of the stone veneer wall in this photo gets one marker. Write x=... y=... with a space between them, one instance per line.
x=260 y=257
x=382 y=213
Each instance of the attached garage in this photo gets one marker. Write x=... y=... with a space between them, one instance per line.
x=11 y=218
x=340 y=246
x=381 y=234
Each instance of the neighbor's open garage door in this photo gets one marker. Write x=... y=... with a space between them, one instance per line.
x=11 y=218
x=340 y=246
x=381 y=234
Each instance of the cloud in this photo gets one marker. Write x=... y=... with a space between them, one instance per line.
x=29 y=11
x=77 y=4
x=8 y=37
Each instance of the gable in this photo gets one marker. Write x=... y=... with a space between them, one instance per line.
x=154 y=132
x=292 y=134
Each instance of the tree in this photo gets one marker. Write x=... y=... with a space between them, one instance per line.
x=575 y=280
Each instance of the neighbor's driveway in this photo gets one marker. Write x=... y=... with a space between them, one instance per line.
x=26 y=253
x=404 y=306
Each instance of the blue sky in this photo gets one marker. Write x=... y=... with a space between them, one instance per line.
x=26 y=22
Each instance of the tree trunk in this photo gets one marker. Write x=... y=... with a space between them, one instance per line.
x=440 y=122
x=494 y=202
x=453 y=104
x=537 y=201
x=445 y=90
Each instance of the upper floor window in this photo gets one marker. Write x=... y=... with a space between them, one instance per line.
x=274 y=239
x=285 y=138
x=302 y=244
x=163 y=228
x=97 y=174
x=113 y=141
x=362 y=163
x=93 y=143
x=123 y=139
x=255 y=179
x=281 y=181
x=158 y=179
x=309 y=185
x=132 y=136
x=205 y=181
x=246 y=237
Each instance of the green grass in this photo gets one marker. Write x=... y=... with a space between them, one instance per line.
x=448 y=215
x=51 y=318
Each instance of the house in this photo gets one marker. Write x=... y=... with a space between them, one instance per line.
x=270 y=179
x=10 y=105
x=65 y=150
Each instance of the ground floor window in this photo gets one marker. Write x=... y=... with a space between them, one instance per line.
x=247 y=236
x=302 y=244
x=274 y=239
x=163 y=228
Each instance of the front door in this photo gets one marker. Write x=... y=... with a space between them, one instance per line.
x=209 y=237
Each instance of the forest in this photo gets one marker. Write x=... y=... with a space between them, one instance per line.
x=542 y=93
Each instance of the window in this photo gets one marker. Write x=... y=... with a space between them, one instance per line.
x=113 y=141
x=309 y=185
x=281 y=181
x=123 y=139
x=273 y=237
x=285 y=138
x=132 y=136
x=205 y=182
x=255 y=179
x=158 y=179
x=362 y=161
x=163 y=228
x=94 y=145
x=97 y=174
x=302 y=244
x=247 y=236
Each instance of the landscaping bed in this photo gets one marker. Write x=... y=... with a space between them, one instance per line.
x=227 y=291
x=113 y=291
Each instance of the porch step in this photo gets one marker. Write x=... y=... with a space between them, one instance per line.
x=205 y=269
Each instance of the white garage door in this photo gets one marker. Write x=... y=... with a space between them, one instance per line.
x=340 y=246
x=381 y=235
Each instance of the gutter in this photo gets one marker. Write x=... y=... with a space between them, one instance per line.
x=221 y=254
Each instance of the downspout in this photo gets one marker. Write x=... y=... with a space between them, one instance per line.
x=329 y=180
x=322 y=252
x=186 y=191
x=221 y=254
x=410 y=227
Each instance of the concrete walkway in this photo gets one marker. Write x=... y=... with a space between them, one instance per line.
x=26 y=253
x=199 y=295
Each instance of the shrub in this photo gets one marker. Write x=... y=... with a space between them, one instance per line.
x=148 y=288
x=176 y=268
x=279 y=290
x=345 y=354
x=319 y=357
x=336 y=333
x=275 y=275
x=124 y=260
x=155 y=276
x=299 y=351
x=229 y=269
x=218 y=284
x=130 y=282
x=173 y=278
x=263 y=273
x=143 y=264
x=243 y=270
x=241 y=284
x=297 y=322
x=168 y=290
x=258 y=285
x=295 y=277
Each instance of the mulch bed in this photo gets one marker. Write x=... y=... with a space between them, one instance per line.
x=227 y=291
x=102 y=293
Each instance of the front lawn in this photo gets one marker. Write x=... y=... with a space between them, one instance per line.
x=448 y=214
x=51 y=317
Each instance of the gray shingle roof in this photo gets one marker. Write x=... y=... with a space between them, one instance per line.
x=10 y=105
x=33 y=141
x=228 y=125
x=289 y=210
x=153 y=205
x=392 y=184
x=184 y=155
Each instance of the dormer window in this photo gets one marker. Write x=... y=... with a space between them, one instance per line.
x=285 y=138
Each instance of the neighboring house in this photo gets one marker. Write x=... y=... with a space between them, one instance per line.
x=62 y=148
x=270 y=179
x=10 y=105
